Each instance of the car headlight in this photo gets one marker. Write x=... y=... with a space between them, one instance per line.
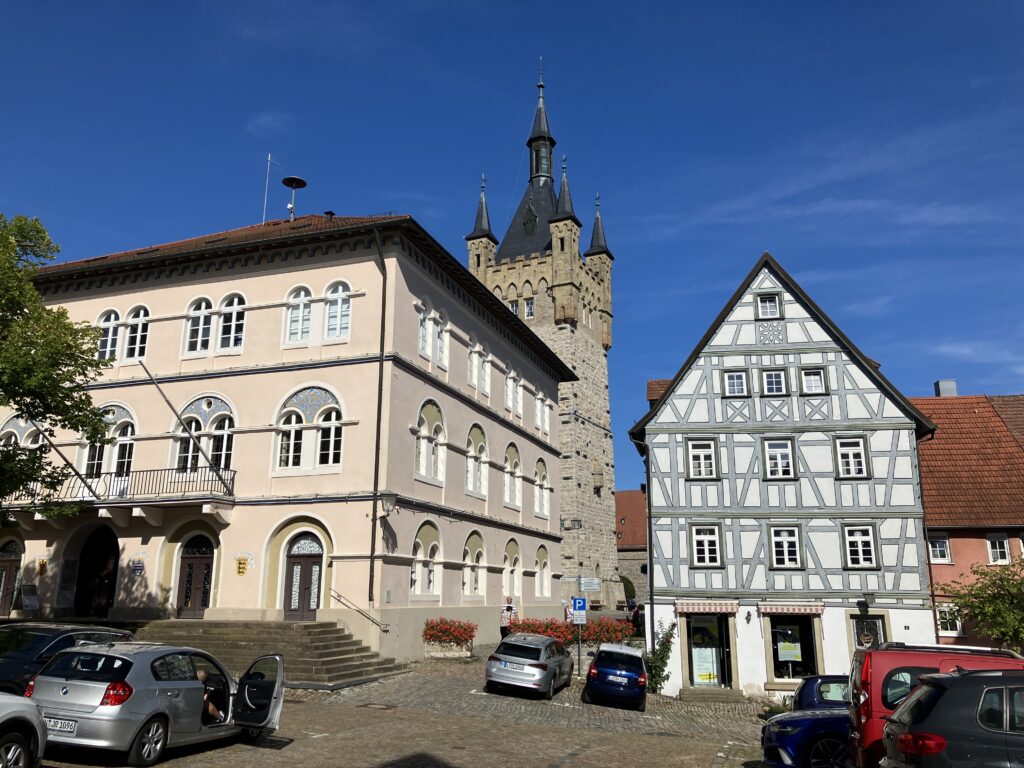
x=782 y=730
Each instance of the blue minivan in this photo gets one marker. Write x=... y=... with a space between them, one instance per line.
x=617 y=674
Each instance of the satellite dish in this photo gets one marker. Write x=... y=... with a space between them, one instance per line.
x=293 y=183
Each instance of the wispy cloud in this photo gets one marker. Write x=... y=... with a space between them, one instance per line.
x=1007 y=353
x=269 y=123
x=876 y=306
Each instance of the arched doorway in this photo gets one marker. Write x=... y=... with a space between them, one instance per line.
x=96 y=584
x=303 y=570
x=10 y=564
x=195 y=577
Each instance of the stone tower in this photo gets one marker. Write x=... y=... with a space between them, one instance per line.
x=565 y=296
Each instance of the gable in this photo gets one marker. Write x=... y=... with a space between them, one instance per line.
x=786 y=332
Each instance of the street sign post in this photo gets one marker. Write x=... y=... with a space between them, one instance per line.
x=590 y=584
x=579 y=618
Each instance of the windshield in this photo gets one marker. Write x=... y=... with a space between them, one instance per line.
x=619 y=661
x=21 y=643
x=529 y=652
x=93 y=667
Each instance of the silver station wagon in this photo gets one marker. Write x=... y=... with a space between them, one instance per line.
x=535 y=662
x=141 y=698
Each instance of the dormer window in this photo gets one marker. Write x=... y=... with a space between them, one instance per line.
x=769 y=306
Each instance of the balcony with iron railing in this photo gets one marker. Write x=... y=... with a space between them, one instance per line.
x=142 y=485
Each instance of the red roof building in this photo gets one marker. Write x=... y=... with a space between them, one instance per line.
x=631 y=541
x=972 y=484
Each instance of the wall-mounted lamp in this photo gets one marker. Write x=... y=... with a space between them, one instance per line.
x=388 y=503
x=749 y=616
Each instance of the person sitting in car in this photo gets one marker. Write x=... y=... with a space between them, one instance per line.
x=211 y=714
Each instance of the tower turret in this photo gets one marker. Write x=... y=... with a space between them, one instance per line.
x=565 y=249
x=541 y=142
x=599 y=260
x=481 y=242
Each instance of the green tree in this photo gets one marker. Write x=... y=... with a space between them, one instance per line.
x=657 y=662
x=993 y=600
x=46 y=364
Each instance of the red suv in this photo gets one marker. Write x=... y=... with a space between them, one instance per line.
x=882 y=677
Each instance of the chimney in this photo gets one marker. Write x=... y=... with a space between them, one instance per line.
x=945 y=388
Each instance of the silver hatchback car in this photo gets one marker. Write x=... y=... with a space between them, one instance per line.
x=529 y=661
x=141 y=698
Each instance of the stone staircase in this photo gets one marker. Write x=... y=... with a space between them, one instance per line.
x=712 y=695
x=316 y=654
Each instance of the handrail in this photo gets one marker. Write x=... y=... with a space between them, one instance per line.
x=142 y=484
x=385 y=628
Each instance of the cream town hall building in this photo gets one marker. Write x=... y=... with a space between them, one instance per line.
x=309 y=419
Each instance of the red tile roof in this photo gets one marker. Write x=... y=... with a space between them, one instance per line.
x=630 y=520
x=972 y=469
x=1011 y=409
x=656 y=388
x=272 y=230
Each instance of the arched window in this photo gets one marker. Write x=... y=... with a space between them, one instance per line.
x=512 y=570
x=188 y=445
x=232 y=322
x=543 y=577
x=472 y=562
x=108 y=335
x=222 y=443
x=138 y=334
x=339 y=311
x=34 y=440
x=9 y=439
x=430 y=442
x=200 y=321
x=443 y=333
x=298 y=315
x=513 y=476
x=541 y=499
x=94 y=460
x=290 y=441
x=330 y=438
x=124 y=450
x=476 y=461
x=426 y=551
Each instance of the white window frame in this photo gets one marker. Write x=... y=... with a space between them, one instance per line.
x=528 y=308
x=510 y=390
x=136 y=334
x=538 y=411
x=781 y=373
x=703 y=534
x=773 y=449
x=199 y=327
x=338 y=311
x=854 y=538
x=847 y=453
x=700 y=471
x=298 y=316
x=932 y=558
x=805 y=372
x=942 y=617
x=789 y=537
x=232 y=323
x=513 y=306
x=110 y=334
x=744 y=376
x=992 y=539
x=761 y=315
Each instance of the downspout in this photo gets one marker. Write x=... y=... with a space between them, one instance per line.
x=927 y=546
x=380 y=412
x=650 y=553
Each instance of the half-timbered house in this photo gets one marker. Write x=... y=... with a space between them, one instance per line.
x=784 y=498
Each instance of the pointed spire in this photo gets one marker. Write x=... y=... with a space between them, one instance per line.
x=482 y=226
x=597 y=241
x=541 y=130
x=564 y=209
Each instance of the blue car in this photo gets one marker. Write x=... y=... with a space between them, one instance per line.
x=617 y=674
x=814 y=737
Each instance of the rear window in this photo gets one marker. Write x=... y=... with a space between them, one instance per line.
x=919 y=704
x=93 y=667
x=619 y=661
x=901 y=681
x=528 y=652
x=990 y=711
x=21 y=643
x=833 y=691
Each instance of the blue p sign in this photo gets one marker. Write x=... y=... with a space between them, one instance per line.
x=579 y=604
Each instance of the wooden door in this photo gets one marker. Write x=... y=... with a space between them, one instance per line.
x=195 y=577
x=8 y=585
x=303 y=574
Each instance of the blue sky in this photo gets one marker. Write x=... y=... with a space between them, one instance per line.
x=874 y=148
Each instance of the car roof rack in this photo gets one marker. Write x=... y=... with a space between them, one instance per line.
x=966 y=649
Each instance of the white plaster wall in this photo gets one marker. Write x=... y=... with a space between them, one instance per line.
x=666 y=615
x=749 y=652
x=909 y=625
x=835 y=631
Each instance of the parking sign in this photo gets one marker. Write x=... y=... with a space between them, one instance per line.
x=579 y=604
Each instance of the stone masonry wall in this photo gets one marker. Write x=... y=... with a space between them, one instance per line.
x=632 y=565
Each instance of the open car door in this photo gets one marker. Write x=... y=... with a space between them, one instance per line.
x=260 y=695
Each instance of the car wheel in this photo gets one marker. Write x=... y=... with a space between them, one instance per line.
x=585 y=696
x=827 y=752
x=149 y=744
x=642 y=706
x=14 y=752
x=549 y=694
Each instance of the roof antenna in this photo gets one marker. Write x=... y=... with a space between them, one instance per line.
x=293 y=183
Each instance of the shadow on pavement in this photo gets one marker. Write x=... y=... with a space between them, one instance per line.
x=418 y=760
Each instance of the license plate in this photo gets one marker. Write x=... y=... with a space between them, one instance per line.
x=510 y=665
x=61 y=726
x=617 y=679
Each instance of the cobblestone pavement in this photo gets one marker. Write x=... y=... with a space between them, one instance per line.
x=438 y=716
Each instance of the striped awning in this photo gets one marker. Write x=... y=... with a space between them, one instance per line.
x=806 y=609
x=707 y=606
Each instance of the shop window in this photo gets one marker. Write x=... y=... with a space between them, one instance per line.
x=793 y=648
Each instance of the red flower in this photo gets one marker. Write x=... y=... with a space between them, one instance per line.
x=448 y=632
